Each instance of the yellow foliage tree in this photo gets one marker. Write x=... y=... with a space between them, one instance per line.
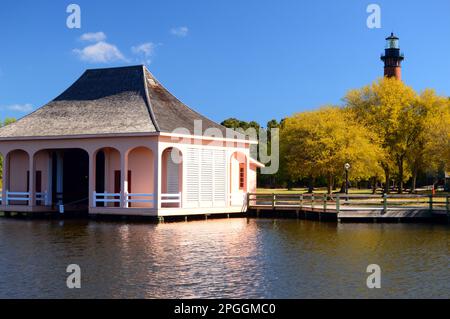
x=393 y=111
x=319 y=143
x=431 y=149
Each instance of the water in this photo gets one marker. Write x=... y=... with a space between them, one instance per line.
x=235 y=258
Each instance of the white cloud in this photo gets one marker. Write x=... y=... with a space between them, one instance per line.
x=145 y=50
x=23 y=108
x=93 y=37
x=180 y=31
x=101 y=52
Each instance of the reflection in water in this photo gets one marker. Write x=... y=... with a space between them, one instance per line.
x=234 y=258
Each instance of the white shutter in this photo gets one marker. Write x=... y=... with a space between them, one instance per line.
x=206 y=177
x=193 y=177
x=220 y=176
x=173 y=170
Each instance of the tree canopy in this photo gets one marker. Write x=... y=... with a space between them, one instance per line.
x=409 y=126
x=320 y=143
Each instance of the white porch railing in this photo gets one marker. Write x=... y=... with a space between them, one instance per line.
x=17 y=197
x=24 y=198
x=42 y=198
x=135 y=198
x=107 y=198
x=139 y=198
x=171 y=199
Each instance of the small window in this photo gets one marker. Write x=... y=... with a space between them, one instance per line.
x=241 y=176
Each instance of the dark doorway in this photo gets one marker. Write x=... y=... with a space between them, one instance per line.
x=75 y=178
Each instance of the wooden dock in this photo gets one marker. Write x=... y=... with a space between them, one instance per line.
x=352 y=207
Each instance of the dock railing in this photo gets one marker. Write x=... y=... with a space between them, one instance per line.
x=338 y=202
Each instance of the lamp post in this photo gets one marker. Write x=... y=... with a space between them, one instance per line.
x=347 y=167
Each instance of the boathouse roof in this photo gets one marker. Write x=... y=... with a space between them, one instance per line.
x=110 y=101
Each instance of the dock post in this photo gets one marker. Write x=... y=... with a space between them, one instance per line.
x=338 y=204
x=312 y=202
x=325 y=197
x=431 y=202
x=385 y=197
x=301 y=201
x=273 y=201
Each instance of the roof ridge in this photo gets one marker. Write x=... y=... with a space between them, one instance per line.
x=148 y=101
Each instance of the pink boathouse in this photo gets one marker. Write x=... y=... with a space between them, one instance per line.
x=117 y=142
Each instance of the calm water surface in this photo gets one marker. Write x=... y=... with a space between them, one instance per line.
x=235 y=258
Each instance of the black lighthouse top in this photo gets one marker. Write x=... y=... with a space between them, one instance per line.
x=392 y=57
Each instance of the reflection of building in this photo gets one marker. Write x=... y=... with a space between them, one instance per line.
x=392 y=58
x=118 y=142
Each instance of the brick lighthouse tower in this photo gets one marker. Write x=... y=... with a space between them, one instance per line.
x=392 y=58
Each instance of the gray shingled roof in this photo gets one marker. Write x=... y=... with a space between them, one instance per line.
x=109 y=101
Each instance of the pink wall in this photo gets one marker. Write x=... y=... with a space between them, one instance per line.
x=252 y=179
x=1 y=175
x=41 y=160
x=112 y=164
x=140 y=163
x=18 y=167
x=236 y=159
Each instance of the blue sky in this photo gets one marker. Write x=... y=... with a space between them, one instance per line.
x=254 y=60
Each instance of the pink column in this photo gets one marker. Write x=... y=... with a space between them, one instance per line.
x=157 y=171
x=247 y=177
x=124 y=177
x=5 y=181
x=32 y=185
x=92 y=179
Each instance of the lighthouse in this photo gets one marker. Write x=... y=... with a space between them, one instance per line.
x=392 y=58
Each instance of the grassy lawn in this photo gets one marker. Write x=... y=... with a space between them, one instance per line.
x=304 y=190
x=323 y=190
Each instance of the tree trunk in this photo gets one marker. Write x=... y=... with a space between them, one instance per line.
x=374 y=185
x=414 y=181
x=386 y=184
x=330 y=184
x=400 y=175
x=311 y=185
